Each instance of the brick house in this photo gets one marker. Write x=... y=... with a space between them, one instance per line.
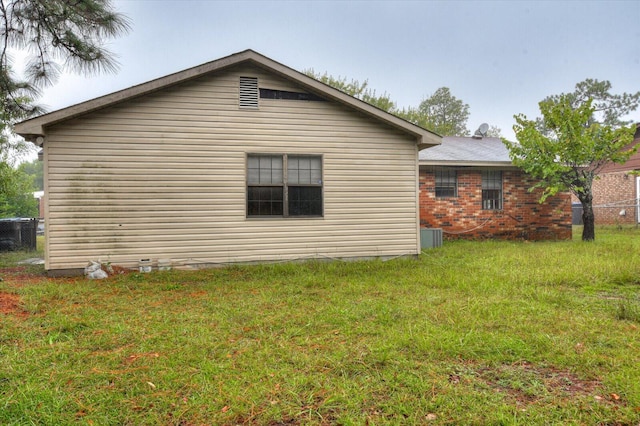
x=616 y=192
x=470 y=189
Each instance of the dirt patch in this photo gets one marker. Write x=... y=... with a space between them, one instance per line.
x=10 y=305
x=20 y=275
x=527 y=384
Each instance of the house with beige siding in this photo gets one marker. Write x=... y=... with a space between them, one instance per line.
x=241 y=159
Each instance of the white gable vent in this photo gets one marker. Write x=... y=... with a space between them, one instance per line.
x=248 y=92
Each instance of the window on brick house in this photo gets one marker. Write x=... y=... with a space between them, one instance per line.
x=491 y=190
x=446 y=183
x=284 y=185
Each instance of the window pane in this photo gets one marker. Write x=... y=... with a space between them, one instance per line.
x=265 y=175
x=265 y=201
x=304 y=163
x=491 y=199
x=293 y=177
x=293 y=170
x=305 y=201
x=264 y=169
x=276 y=176
x=316 y=163
x=316 y=176
x=253 y=170
x=292 y=162
x=253 y=176
x=491 y=190
x=446 y=183
x=253 y=162
x=491 y=180
x=304 y=170
x=445 y=192
x=304 y=176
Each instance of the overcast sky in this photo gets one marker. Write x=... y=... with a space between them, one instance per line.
x=499 y=57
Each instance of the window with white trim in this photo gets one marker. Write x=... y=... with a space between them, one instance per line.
x=284 y=185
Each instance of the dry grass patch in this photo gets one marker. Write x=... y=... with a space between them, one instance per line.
x=525 y=384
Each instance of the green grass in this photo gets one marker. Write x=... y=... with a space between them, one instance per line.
x=470 y=333
x=11 y=259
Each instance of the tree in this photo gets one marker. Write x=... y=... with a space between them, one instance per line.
x=355 y=89
x=16 y=198
x=447 y=114
x=608 y=108
x=34 y=168
x=576 y=136
x=73 y=32
x=417 y=117
x=441 y=112
x=16 y=187
x=59 y=34
x=494 y=132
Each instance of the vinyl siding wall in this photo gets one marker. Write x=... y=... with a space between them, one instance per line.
x=164 y=176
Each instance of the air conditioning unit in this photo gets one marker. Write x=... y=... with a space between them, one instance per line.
x=430 y=238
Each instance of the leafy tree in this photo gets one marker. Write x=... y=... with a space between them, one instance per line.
x=494 y=132
x=59 y=35
x=441 y=112
x=356 y=89
x=576 y=136
x=447 y=114
x=608 y=108
x=417 y=117
x=16 y=193
x=34 y=168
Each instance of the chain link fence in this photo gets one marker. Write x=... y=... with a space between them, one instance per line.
x=18 y=234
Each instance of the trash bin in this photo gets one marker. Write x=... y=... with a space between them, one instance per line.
x=18 y=233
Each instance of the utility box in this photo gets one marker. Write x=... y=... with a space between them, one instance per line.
x=430 y=238
x=18 y=234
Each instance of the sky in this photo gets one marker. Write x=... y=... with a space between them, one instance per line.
x=499 y=57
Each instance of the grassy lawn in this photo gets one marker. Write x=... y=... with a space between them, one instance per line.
x=470 y=333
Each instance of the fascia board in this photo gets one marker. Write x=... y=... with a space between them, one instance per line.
x=500 y=164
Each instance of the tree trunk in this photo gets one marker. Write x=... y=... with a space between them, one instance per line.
x=588 y=219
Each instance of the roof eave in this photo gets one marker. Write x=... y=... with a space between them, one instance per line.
x=32 y=128
x=424 y=137
x=35 y=126
x=469 y=163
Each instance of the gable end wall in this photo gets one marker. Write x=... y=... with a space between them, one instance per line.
x=163 y=176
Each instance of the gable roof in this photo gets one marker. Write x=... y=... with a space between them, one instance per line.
x=34 y=128
x=633 y=163
x=467 y=151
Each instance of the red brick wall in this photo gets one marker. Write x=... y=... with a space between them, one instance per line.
x=522 y=217
x=612 y=193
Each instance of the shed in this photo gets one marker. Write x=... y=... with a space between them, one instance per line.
x=242 y=159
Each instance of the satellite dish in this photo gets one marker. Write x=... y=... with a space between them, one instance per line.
x=482 y=131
